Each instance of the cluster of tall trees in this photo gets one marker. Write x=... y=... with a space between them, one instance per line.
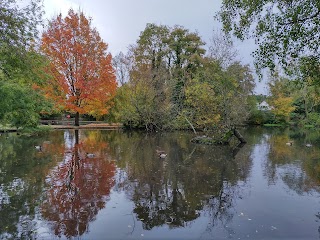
x=167 y=78
x=168 y=81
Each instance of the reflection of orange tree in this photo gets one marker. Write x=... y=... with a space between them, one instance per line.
x=87 y=142
x=93 y=142
x=78 y=189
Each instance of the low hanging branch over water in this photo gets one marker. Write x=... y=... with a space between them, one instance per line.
x=224 y=140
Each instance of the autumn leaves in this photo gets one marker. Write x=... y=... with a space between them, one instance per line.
x=83 y=79
x=167 y=80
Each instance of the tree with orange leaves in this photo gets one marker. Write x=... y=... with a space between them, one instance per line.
x=83 y=77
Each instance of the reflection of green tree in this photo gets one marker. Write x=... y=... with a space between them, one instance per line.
x=192 y=178
x=23 y=170
x=301 y=165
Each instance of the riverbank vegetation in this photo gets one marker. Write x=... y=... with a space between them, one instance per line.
x=169 y=78
x=286 y=34
x=172 y=83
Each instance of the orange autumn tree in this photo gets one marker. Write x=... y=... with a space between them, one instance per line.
x=83 y=77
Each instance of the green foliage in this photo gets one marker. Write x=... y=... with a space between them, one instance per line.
x=313 y=119
x=284 y=30
x=21 y=67
x=162 y=62
x=172 y=85
x=257 y=116
x=261 y=117
x=21 y=99
x=22 y=105
x=18 y=31
x=201 y=104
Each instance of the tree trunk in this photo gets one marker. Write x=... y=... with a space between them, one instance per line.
x=190 y=125
x=76 y=119
x=237 y=149
x=76 y=133
x=239 y=136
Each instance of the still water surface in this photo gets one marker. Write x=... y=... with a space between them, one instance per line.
x=264 y=190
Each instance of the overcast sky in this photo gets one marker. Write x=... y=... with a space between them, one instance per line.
x=120 y=22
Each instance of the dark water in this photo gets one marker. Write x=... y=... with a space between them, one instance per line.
x=264 y=190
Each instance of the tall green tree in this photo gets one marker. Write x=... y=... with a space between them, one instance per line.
x=20 y=64
x=148 y=79
x=18 y=32
x=217 y=99
x=284 y=30
x=163 y=60
x=187 y=53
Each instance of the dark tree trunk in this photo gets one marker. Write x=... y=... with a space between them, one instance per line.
x=76 y=136
x=237 y=149
x=239 y=136
x=76 y=119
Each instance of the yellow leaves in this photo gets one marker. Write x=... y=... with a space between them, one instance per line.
x=281 y=100
x=282 y=106
x=202 y=102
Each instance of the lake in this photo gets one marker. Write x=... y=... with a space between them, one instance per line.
x=95 y=184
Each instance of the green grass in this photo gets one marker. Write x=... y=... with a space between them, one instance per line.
x=309 y=126
x=274 y=125
x=285 y=125
x=35 y=131
x=6 y=127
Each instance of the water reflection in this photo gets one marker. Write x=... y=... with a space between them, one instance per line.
x=298 y=166
x=23 y=171
x=79 y=186
x=192 y=178
x=73 y=183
